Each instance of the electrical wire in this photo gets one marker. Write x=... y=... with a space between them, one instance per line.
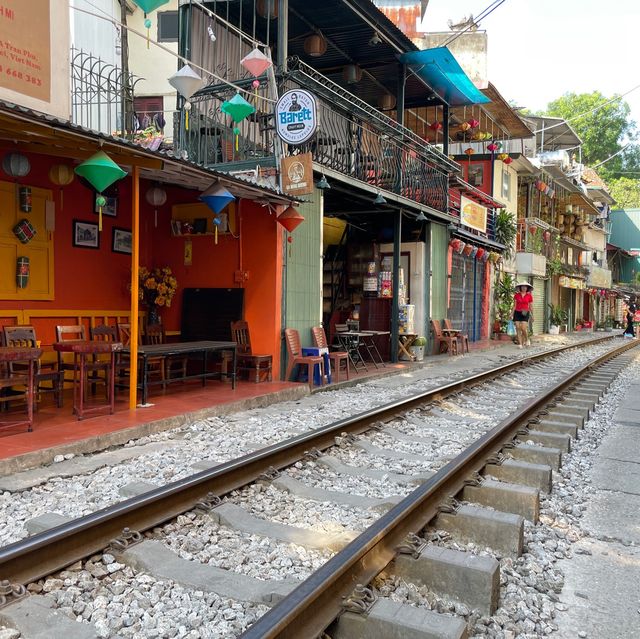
x=626 y=146
x=483 y=14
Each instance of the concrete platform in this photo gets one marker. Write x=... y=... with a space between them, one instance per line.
x=602 y=579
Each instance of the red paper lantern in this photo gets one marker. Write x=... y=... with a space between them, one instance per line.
x=435 y=126
x=290 y=219
x=465 y=126
x=468 y=249
x=469 y=151
x=492 y=147
x=480 y=253
x=473 y=123
x=508 y=160
x=455 y=244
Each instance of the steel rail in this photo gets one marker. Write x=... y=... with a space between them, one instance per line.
x=309 y=609
x=49 y=551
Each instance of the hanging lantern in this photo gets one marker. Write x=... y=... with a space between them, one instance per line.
x=186 y=82
x=352 y=74
x=502 y=156
x=455 y=243
x=465 y=126
x=290 y=219
x=461 y=247
x=468 y=249
x=492 y=147
x=508 y=160
x=477 y=136
x=101 y=172
x=498 y=145
x=315 y=45
x=546 y=235
x=24 y=199
x=436 y=126
x=217 y=198
x=386 y=102
x=474 y=124
x=469 y=151
x=61 y=174
x=16 y=165
x=238 y=108
x=156 y=197
x=268 y=9
x=256 y=62
x=148 y=6
x=480 y=253
x=485 y=257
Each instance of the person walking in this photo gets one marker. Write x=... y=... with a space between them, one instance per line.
x=523 y=300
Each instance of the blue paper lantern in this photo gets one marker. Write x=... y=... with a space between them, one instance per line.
x=217 y=198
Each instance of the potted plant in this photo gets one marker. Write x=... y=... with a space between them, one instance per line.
x=504 y=291
x=608 y=323
x=557 y=317
x=417 y=348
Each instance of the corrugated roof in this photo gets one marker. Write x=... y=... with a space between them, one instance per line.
x=63 y=141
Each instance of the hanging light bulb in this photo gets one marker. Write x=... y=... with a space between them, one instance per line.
x=212 y=35
x=323 y=184
x=421 y=217
x=379 y=200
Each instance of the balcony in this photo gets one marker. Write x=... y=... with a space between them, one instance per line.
x=531 y=264
x=598 y=277
x=353 y=139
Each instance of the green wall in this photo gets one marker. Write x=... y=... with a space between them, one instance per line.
x=439 y=247
x=303 y=273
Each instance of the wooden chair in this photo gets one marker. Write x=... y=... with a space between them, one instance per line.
x=294 y=351
x=247 y=362
x=25 y=337
x=463 y=338
x=166 y=365
x=78 y=333
x=450 y=342
x=335 y=357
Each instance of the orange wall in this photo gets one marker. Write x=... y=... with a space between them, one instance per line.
x=87 y=279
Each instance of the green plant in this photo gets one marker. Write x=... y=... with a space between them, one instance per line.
x=420 y=341
x=557 y=316
x=505 y=231
x=534 y=241
x=504 y=292
x=609 y=321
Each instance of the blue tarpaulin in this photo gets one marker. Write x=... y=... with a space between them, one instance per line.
x=441 y=71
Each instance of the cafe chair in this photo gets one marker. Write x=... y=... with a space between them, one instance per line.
x=78 y=333
x=255 y=366
x=295 y=357
x=166 y=366
x=335 y=357
x=462 y=338
x=25 y=337
x=440 y=340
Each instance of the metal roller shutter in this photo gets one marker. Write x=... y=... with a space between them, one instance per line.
x=539 y=305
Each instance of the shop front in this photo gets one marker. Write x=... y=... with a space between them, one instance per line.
x=570 y=298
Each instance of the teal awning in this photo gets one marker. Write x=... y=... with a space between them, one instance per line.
x=441 y=71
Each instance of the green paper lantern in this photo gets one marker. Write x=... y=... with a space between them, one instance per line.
x=238 y=108
x=150 y=5
x=100 y=171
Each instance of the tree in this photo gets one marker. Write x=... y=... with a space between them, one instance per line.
x=604 y=132
x=626 y=192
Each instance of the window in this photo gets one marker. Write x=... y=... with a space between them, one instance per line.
x=168 y=28
x=506 y=184
x=476 y=174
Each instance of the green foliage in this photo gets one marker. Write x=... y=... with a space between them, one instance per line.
x=420 y=341
x=535 y=241
x=505 y=231
x=603 y=131
x=554 y=261
x=626 y=192
x=504 y=292
x=557 y=316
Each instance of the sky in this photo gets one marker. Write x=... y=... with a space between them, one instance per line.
x=540 y=49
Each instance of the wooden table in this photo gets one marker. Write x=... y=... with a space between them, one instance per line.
x=81 y=350
x=31 y=356
x=203 y=348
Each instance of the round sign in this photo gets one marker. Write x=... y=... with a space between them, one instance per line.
x=296 y=116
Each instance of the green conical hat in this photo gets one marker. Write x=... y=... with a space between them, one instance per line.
x=100 y=171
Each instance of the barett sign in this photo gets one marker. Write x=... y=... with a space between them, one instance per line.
x=296 y=116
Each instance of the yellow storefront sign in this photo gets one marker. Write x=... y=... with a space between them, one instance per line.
x=473 y=214
x=571 y=282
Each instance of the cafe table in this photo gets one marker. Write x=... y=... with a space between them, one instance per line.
x=82 y=350
x=8 y=355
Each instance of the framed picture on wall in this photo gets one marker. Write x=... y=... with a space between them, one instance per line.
x=121 y=241
x=110 y=208
x=85 y=235
x=476 y=174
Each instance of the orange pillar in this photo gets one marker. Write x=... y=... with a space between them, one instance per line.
x=135 y=266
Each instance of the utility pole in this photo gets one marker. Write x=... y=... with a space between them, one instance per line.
x=126 y=95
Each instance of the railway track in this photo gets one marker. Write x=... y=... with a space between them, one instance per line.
x=311 y=607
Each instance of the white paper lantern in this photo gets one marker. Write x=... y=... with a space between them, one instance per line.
x=16 y=165
x=156 y=196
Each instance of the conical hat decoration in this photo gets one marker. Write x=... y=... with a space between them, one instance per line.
x=238 y=108
x=186 y=82
x=150 y=5
x=217 y=198
x=256 y=62
x=100 y=171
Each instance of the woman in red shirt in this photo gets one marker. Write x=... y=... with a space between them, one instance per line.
x=521 y=312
